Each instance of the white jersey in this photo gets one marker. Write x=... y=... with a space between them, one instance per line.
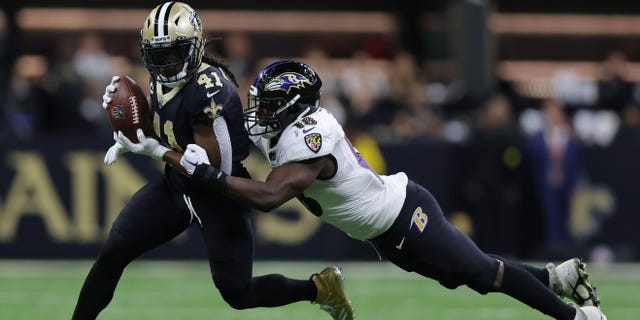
x=356 y=200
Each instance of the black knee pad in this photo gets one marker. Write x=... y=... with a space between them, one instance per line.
x=479 y=275
x=478 y=284
x=484 y=281
x=238 y=299
x=481 y=286
x=451 y=283
x=116 y=252
x=115 y=241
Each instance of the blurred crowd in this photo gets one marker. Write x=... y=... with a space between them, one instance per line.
x=388 y=95
x=381 y=99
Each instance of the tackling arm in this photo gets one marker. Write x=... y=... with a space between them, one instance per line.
x=283 y=183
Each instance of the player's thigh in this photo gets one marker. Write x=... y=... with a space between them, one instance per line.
x=229 y=241
x=151 y=217
x=421 y=240
x=454 y=259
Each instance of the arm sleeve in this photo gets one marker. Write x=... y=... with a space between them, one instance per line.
x=224 y=143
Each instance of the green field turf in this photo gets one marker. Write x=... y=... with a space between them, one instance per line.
x=158 y=290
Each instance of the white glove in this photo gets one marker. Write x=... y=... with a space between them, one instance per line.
x=114 y=152
x=111 y=88
x=193 y=157
x=147 y=146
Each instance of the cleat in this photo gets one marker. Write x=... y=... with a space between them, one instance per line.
x=331 y=295
x=591 y=313
x=570 y=280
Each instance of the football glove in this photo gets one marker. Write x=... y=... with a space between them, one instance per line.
x=193 y=157
x=111 y=88
x=147 y=146
x=114 y=152
x=196 y=162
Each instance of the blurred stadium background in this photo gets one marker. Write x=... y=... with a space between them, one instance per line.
x=511 y=112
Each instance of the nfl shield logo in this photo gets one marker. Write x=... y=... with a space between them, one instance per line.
x=117 y=112
x=313 y=141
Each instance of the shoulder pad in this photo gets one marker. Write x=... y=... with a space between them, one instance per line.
x=209 y=93
x=316 y=138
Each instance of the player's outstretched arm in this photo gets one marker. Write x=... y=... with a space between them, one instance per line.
x=283 y=183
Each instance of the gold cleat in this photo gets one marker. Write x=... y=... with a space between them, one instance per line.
x=570 y=279
x=331 y=295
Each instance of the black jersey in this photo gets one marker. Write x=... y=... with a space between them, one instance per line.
x=207 y=95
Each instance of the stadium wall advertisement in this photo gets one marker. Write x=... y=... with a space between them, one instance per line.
x=58 y=199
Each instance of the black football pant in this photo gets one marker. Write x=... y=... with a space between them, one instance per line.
x=422 y=241
x=156 y=215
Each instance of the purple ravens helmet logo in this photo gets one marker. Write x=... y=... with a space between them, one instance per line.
x=287 y=81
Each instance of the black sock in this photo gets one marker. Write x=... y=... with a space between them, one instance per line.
x=271 y=290
x=520 y=284
x=277 y=290
x=97 y=291
x=100 y=284
x=540 y=273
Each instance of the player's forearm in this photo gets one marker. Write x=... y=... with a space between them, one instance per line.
x=257 y=194
x=173 y=158
x=260 y=195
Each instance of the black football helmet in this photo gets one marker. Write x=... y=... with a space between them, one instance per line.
x=172 y=44
x=280 y=93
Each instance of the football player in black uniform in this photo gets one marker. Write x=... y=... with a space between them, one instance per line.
x=313 y=161
x=194 y=100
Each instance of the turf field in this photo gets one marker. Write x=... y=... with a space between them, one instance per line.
x=158 y=290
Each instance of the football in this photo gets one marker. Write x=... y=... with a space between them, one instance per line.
x=129 y=109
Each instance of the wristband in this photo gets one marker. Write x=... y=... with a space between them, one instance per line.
x=211 y=177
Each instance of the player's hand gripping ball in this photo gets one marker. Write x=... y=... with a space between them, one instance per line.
x=126 y=106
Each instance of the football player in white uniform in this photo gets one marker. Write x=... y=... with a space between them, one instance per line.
x=313 y=161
